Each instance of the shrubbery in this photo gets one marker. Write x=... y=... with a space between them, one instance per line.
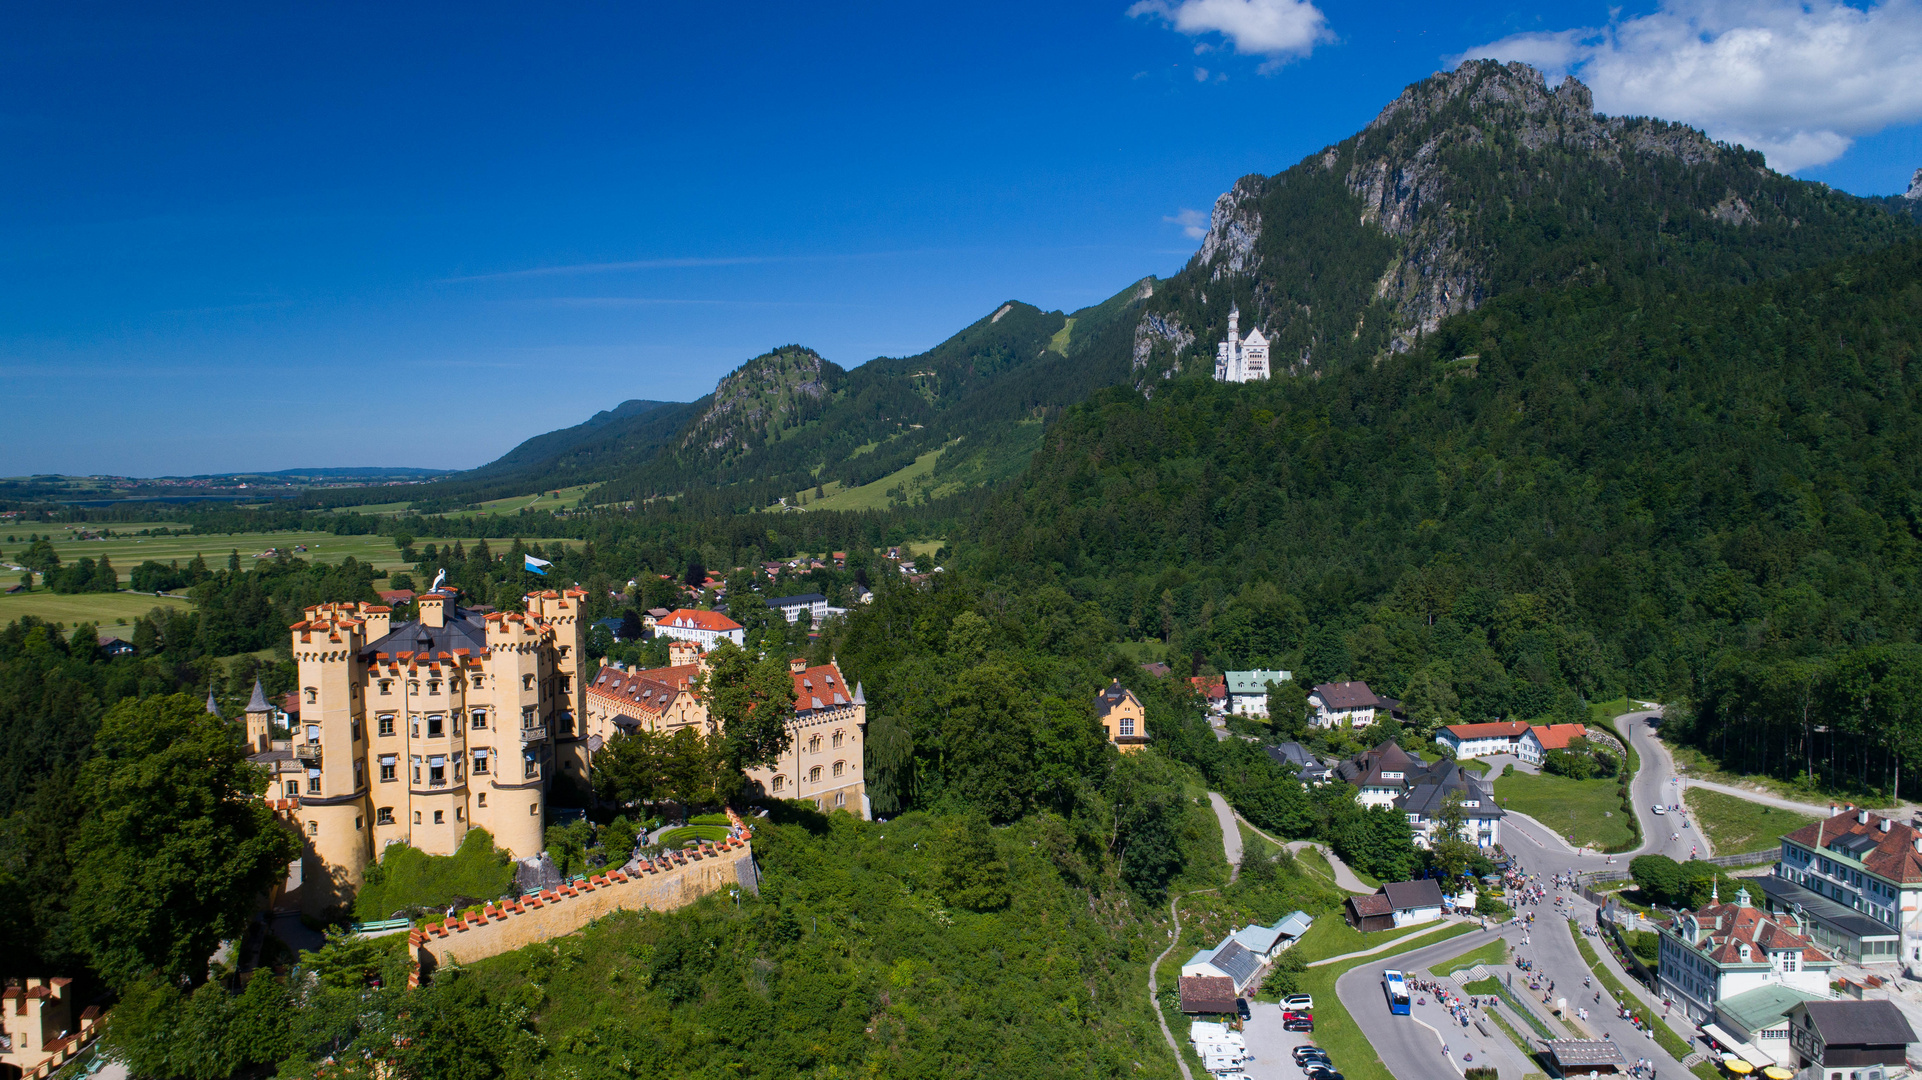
x=407 y=878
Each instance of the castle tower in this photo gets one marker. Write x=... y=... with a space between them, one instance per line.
x=514 y=807
x=561 y=611
x=331 y=748
x=436 y=756
x=260 y=722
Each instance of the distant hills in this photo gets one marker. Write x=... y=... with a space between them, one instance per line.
x=1471 y=185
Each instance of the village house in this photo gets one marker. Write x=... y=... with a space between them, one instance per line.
x=1212 y=689
x=703 y=628
x=1248 y=690
x=1857 y=876
x=1390 y=776
x=1402 y=903
x=1728 y=949
x=1296 y=758
x=1841 y=1040
x=823 y=763
x=417 y=732
x=1347 y=704
x=1529 y=742
x=1122 y=718
x=814 y=605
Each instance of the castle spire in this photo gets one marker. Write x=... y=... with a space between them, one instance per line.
x=258 y=703
x=211 y=707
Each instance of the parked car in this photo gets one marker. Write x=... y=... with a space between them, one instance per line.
x=1298 y=1025
x=1302 y=1002
x=1290 y=1014
x=1325 y=1074
x=1319 y=1061
x=1308 y=1051
x=1241 y=1009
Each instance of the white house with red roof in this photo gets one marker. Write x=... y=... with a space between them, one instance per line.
x=703 y=628
x=1518 y=737
x=1346 y=704
x=1858 y=876
x=1726 y=949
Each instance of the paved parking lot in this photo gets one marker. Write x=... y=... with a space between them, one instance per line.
x=1272 y=1046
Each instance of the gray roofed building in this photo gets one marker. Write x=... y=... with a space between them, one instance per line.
x=258 y=703
x=1201 y=994
x=1401 y=903
x=1850 y=1034
x=791 y=608
x=1294 y=756
x=1586 y=1057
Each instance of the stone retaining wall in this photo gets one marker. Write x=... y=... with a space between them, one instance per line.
x=663 y=884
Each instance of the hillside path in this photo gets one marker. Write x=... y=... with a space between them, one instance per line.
x=1821 y=811
x=1344 y=877
x=1154 y=989
x=1230 y=836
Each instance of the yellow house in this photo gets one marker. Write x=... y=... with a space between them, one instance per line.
x=1122 y=718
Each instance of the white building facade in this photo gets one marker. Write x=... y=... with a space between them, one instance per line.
x=1238 y=360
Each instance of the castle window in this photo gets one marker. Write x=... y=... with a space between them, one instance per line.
x=433 y=686
x=477 y=680
x=531 y=767
x=483 y=799
x=437 y=772
x=386 y=687
x=480 y=721
x=566 y=684
x=353 y=729
x=313 y=828
x=780 y=782
x=434 y=722
x=313 y=695
x=384 y=816
x=387 y=724
x=814 y=745
x=358 y=824
x=413 y=686
x=480 y=762
x=838 y=767
x=527 y=682
x=417 y=817
x=413 y=727
x=564 y=649
x=533 y=809
x=527 y=716
x=387 y=763
x=293 y=789
x=814 y=775
x=360 y=775
x=457 y=814
x=836 y=741
x=416 y=764
x=840 y=798
x=440 y=817
x=313 y=781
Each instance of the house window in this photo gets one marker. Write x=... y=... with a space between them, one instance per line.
x=836 y=743
x=480 y=721
x=838 y=766
x=434 y=726
x=387 y=724
x=440 y=817
x=1127 y=726
x=780 y=782
x=814 y=745
x=313 y=781
x=814 y=775
x=384 y=816
x=480 y=762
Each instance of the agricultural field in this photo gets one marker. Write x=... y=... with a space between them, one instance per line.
x=109 y=611
x=563 y=499
x=128 y=552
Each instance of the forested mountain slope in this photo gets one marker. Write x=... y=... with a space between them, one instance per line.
x=1568 y=491
x=1473 y=184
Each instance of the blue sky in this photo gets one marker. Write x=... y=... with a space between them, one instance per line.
x=262 y=236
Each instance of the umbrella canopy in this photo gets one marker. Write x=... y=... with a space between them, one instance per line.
x=1776 y=1072
x=1737 y=1065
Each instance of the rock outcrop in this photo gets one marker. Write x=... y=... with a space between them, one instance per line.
x=760 y=398
x=1915 y=187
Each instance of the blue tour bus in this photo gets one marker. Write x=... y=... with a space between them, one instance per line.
x=1397 y=990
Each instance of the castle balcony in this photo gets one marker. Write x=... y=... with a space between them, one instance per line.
x=532 y=735
x=308 y=752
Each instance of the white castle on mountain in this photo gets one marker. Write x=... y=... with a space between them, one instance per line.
x=1237 y=360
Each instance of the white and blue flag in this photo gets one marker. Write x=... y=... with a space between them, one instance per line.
x=538 y=566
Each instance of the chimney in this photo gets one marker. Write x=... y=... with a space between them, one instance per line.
x=1885 y=824
x=1862 y=817
x=1918 y=843
x=433 y=610
x=798 y=664
x=1833 y=809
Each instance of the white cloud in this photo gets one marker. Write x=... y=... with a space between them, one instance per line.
x=1192 y=222
x=1276 y=29
x=1201 y=74
x=1797 y=81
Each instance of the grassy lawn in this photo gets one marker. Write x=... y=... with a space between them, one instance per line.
x=1495 y=952
x=103 y=609
x=1587 y=813
x=1736 y=825
x=1692 y=762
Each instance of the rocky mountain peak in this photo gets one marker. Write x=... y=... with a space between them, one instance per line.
x=771 y=392
x=1915 y=187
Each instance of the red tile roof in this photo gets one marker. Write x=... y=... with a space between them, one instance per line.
x=821 y=688
x=1212 y=687
x=1557 y=736
x=1725 y=928
x=700 y=620
x=1894 y=856
x=1507 y=729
